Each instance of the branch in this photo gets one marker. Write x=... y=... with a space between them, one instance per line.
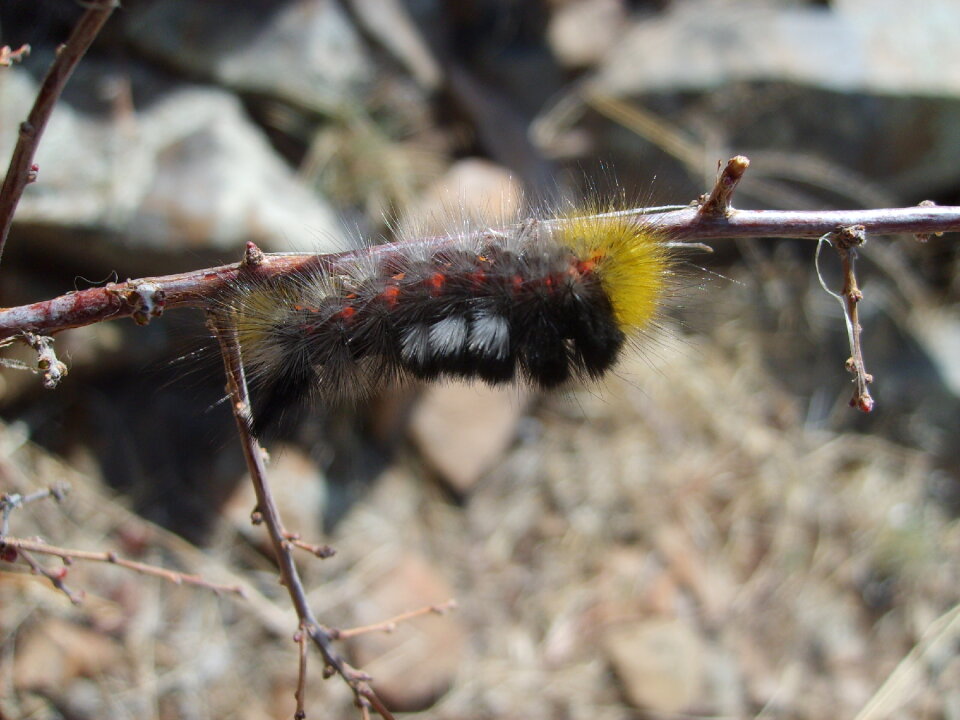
x=10 y=547
x=223 y=328
x=148 y=297
x=54 y=576
x=22 y=171
x=846 y=241
x=12 y=501
x=388 y=626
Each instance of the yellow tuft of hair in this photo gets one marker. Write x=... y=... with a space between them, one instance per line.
x=630 y=260
x=261 y=308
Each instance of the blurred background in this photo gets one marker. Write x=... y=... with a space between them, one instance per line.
x=710 y=532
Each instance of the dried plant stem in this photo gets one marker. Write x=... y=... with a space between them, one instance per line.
x=390 y=624
x=224 y=330
x=54 y=576
x=22 y=545
x=21 y=171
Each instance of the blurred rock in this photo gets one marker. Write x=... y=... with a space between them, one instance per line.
x=299 y=489
x=306 y=52
x=389 y=22
x=190 y=171
x=582 y=32
x=416 y=663
x=463 y=429
x=859 y=46
x=472 y=190
x=56 y=652
x=831 y=83
x=659 y=663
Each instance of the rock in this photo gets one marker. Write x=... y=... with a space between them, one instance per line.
x=56 y=652
x=305 y=52
x=189 y=171
x=463 y=429
x=582 y=32
x=659 y=662
x=417 y=662
x=471 y=191
x=855 y=46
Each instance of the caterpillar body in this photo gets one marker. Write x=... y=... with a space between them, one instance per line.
x=542 y=301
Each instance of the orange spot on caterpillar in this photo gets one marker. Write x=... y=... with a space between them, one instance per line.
x=347 y=313
x=436 y=282
x=390 y=295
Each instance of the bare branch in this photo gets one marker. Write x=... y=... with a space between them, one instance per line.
x=390 y=625
x=301 y=637
x=845 y=241
x=11 y=501
x=224 y=329
x=23 y=546
x=321 y=551
x=54 y=576
x=206 y=288
x=22 y=171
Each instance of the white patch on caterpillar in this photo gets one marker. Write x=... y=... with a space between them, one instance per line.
x=448 y=336
x=489 y=336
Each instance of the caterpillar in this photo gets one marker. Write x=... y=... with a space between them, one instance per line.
x=542 y=301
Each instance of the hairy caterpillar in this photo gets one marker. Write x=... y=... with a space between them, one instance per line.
x=542 y=301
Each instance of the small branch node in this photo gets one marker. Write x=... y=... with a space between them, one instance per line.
x=717 y=204
x=149 y=300
x=252 y=256
x=925 y=237
x=51 y=369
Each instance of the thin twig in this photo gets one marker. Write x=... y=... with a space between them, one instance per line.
x=846 y=241
x=390 y=625
x=12 y=501
x=54 y=576
x=22 y=545
x=22 y=171
x=321 y=551
x=206 y=288
x=301 y=637
x=225 y=332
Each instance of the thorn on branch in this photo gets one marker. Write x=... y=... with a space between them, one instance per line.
x=718 y=203
x=47 y=363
